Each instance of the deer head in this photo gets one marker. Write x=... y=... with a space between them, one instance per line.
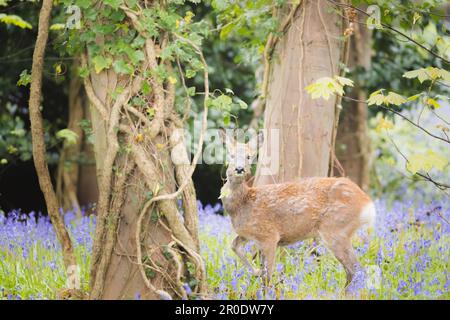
x=240 y=155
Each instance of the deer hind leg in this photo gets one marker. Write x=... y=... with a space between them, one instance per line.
x=343 y=251
x=237 y=245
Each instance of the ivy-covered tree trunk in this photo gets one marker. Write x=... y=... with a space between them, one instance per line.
x=76 y=177
x=352 y=141
x=309 y=49
x=146 y=240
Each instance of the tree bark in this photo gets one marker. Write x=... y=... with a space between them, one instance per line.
x=76 y=178
x=310 y=49
x=141 y=250
x=352 y=142
x=37 y=133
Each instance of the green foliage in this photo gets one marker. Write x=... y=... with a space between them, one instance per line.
x=429 y=73
x=25 y=78
x=68 y=136
x=101 y=63
x=15 y=139
x=426 y=161
x=57 y=26
x=419 y=154
x=326 y=86
x=249 y=21
x=392 y=98
x=14 y=20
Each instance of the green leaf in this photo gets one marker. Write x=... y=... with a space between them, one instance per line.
x=225 y=191
x=395 y=98
x=376 y=98
x=24 y=78
x=113 y=3
x=83 y=72
x=120 y=66
x=146 y=89
x=344 y=81
x=226 y=119
x=222 y=102
x=68 y=135
x=326 y=86
x=15 y=20
x=428 y=73
x=242 y=103
x=191 y=91
x=432 y=103
x=135 y=55
x=384 y=124
x=57 y=26
x=379 y=98
x=426 y=161
x=414 y=97
x=101 y=63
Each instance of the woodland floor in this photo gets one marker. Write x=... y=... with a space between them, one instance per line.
x=408 y=258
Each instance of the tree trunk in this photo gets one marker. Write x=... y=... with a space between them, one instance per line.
x=87 y=187
x=310 y=49
x=39 y=149
x=76 y=180
x=142 y=246
x=352 y=141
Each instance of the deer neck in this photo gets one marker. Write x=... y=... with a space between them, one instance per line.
x=234 y=195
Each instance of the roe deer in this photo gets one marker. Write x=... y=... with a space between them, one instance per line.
x=332 y=209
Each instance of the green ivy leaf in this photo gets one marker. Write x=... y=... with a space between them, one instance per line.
x=115 y=4
x=120 y=66
x=146 y=89
x=222 y=102
x=191 y=91
x=83 y=72
x=24 y=78
x=101 y=63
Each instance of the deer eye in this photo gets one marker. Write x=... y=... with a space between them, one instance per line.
x=249 y=157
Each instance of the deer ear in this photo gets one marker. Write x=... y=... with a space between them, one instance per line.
x=260 y=139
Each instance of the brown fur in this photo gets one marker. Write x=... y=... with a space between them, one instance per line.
x=281 y=214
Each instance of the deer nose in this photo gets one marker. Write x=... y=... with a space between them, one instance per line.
x=239 y=170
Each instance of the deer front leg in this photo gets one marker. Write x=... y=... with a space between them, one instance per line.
x=269 y=249
x=237 y=244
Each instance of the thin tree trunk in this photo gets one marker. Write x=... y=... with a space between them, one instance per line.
x=76 y=178
x=37 y=132
x=352 y=142
x=310 y=49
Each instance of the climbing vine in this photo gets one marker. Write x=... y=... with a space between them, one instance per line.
x=148 y=48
